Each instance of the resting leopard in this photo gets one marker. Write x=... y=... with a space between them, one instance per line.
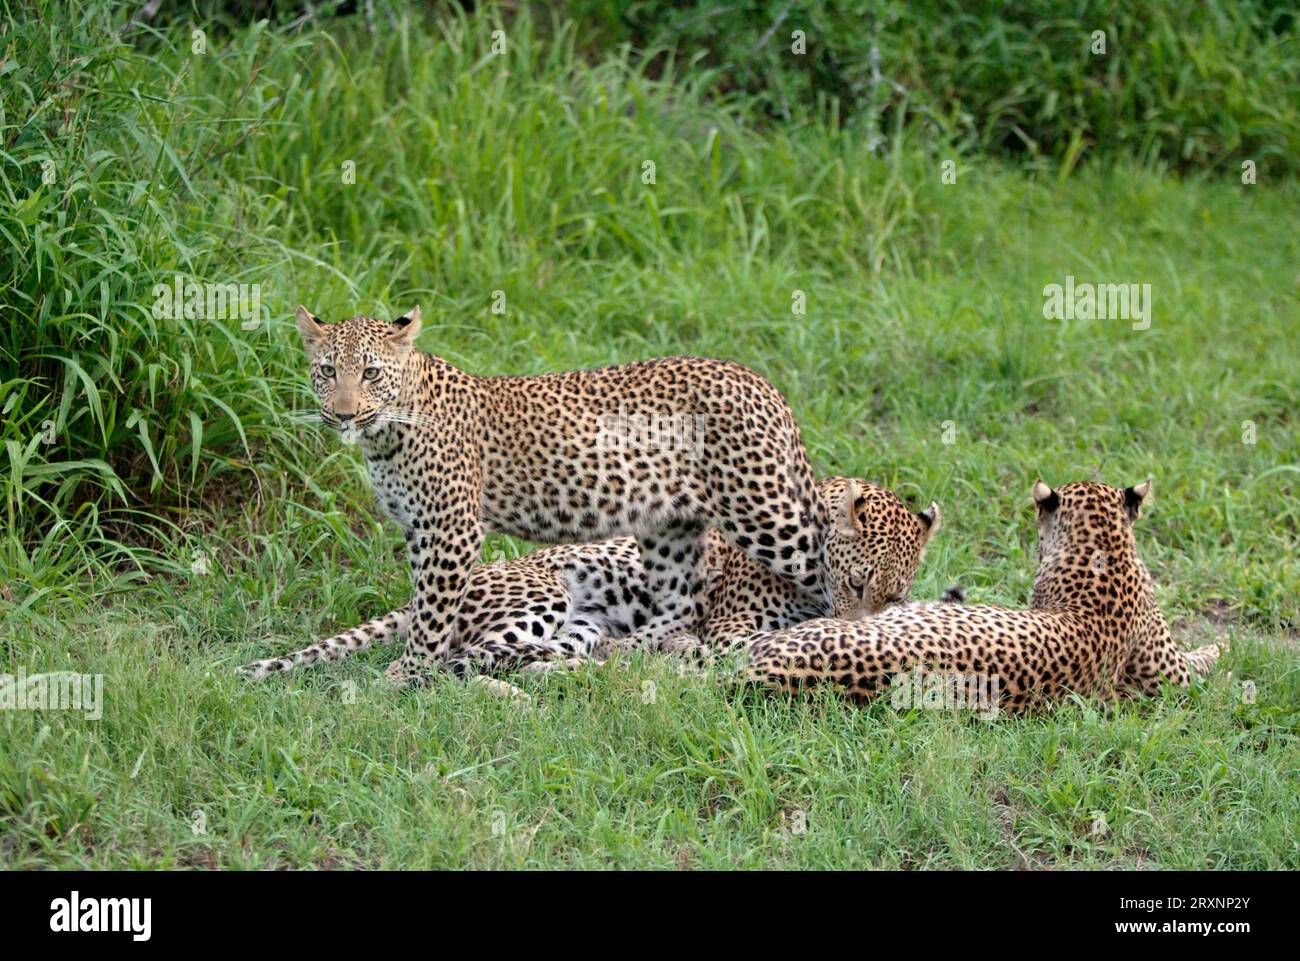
x=872 y=558
x=658 y=450
x=1092 y=626
x=555 y=605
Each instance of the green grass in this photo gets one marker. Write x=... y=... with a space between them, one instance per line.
x=924 y=309
x=1200 y=85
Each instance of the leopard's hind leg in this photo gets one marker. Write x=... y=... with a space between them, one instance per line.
x=533 y=623
x=672 y=569
x=516 y=647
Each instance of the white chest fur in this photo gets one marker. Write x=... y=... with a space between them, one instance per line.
x=391 y=493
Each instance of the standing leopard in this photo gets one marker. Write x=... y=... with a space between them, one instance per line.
x=658 y=450
x=554 y=605
x=1092 y=626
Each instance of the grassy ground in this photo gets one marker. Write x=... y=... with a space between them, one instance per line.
x=923 y=361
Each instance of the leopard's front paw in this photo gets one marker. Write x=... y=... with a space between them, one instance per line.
x=500 y=688
x=682 y=644
x=401 y=675
x=1203 y=659
x=609 y=646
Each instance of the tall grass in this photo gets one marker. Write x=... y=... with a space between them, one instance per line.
x=1191 y=85
x=114 y=182
x=128 y=165
x=361 y=170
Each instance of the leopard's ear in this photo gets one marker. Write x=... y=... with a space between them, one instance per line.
x=932 y=518
x=1046 y=498
x=310 y=328
x=846 y=519
x=1134 y=496
x=405 y=328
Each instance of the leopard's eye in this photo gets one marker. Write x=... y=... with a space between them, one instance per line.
x=327 y=370
x=370 y=373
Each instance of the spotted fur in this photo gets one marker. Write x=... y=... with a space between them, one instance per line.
x=1092 y=626
x=872 y=556
x=558 y=459
x=554 y=606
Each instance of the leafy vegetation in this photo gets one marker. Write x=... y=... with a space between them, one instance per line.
x=1203 y=85
x=360 y=171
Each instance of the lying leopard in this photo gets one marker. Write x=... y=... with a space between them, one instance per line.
x=872 y=556
x=658 y=450
x=1092 y=626
x=554 y=606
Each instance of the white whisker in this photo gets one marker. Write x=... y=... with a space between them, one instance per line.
x=409 y=417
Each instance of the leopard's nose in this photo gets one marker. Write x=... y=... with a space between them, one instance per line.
x=344 y=417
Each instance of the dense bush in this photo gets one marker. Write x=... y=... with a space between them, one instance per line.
x=1191 y=85
x=115 y=177
x=1188 y=84
x=131 y=160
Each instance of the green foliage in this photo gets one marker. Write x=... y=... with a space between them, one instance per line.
x=116 y=177
x=524 y=173
x=627 y=766
x=1192 y=85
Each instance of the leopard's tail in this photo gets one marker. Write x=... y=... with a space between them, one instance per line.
x=381 y=630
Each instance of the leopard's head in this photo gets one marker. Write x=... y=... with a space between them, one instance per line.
x=1083 y=517
x=875 y=544
x=1086 y=551
x=358 y=368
